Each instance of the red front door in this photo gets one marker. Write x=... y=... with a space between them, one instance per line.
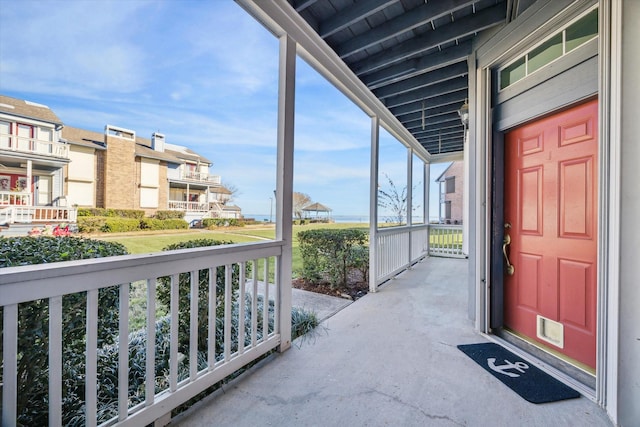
x=551 y=207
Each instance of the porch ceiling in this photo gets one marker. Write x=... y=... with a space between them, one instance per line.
x=411 y=54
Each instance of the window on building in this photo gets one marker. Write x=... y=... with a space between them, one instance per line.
x=450 y=184
x=447 y=210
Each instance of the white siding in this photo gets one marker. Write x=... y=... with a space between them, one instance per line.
x=81 y=177
x=149 y=179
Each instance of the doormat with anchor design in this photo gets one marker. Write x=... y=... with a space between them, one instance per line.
x=519 y=375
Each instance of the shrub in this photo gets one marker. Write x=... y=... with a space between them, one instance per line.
x=118 y=225
x=33 y=319
x=222 y=222
x=169 y=215
x=91 y=224
x=113 y=213
x=162 y=224
x=328 y=254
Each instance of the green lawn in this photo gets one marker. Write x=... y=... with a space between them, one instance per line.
x=142 y=243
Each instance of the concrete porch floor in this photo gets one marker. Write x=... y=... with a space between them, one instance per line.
x=389 y=359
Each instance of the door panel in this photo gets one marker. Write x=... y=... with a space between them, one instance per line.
x=550 y=202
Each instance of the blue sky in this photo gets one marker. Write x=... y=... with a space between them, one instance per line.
x=205 y=75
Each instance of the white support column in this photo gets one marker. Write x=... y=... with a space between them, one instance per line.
x=426 y=178
x=409 y=201
x=32 y=200
x=465 y=194
x=409 y=191
x=373 y=202
x=284 y=181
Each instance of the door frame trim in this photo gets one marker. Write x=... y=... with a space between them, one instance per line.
x=609 y=168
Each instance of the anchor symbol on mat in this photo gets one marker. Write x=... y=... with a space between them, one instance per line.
x=502 y=369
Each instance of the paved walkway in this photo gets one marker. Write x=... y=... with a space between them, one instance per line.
x=389 y=359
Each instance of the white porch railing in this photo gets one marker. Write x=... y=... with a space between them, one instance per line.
x=29 y=214
x=15 y=198
x=154 y=399
x=32 y=145
x=445 y=240
x=397 y=248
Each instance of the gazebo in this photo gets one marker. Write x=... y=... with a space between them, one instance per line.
x=317 y=208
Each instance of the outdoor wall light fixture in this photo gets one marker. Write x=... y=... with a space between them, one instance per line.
x=463 y=112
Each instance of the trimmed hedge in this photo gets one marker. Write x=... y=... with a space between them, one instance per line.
x=163 y=224
x=169 y=215
x=112 y=213
x=328 y=254
x=101 y=224
x=222 y=222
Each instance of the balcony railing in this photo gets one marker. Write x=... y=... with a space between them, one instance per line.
x=149 y=396
x=195 y=206
x=397 y=248
x=445 y=240
x=202 y=177
x=34 y=146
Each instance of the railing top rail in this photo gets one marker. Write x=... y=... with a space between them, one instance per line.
x=30 y=282
x=447 y=226
x=401 y=229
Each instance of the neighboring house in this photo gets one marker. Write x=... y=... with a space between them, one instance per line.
x=32 y=162
x=121 y=170
x=451 y=185
x=45 y=163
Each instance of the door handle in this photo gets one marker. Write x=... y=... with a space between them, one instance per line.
x=506 y=242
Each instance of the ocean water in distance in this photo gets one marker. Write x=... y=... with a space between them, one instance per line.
x=364 y=219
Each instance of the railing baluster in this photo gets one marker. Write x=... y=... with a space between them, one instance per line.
x=91 y=372
x=265 y=301
x=55 y=361
x=150 y=362
x=173 y=357
x=277 y=296
x=241 y=315
x=10 y=365
x=228 y=287
x=123 y=354
x=211 y=344
x=254 y=304
x=193 y=326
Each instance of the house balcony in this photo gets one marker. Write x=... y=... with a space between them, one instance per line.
x=389 y=358
x=201 y=177
x=33 y=146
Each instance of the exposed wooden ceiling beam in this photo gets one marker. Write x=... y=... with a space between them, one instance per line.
x=432 y=102
x=442 y=129
x=408 y=21
x=467 y=25
x=349 y=15
x=427 y=92
x=429 y=112
x=420 y=65
x=431 y=121
x=423 y=80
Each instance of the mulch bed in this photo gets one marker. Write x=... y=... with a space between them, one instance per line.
x=356 y=287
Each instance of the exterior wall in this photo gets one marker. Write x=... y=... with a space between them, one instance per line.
x=99 y=163
x=618 y=380
x=149 y=183
x=81 y=176
x=455 y=171
x=163 y=187
x=628 y=413
x=120 y=184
